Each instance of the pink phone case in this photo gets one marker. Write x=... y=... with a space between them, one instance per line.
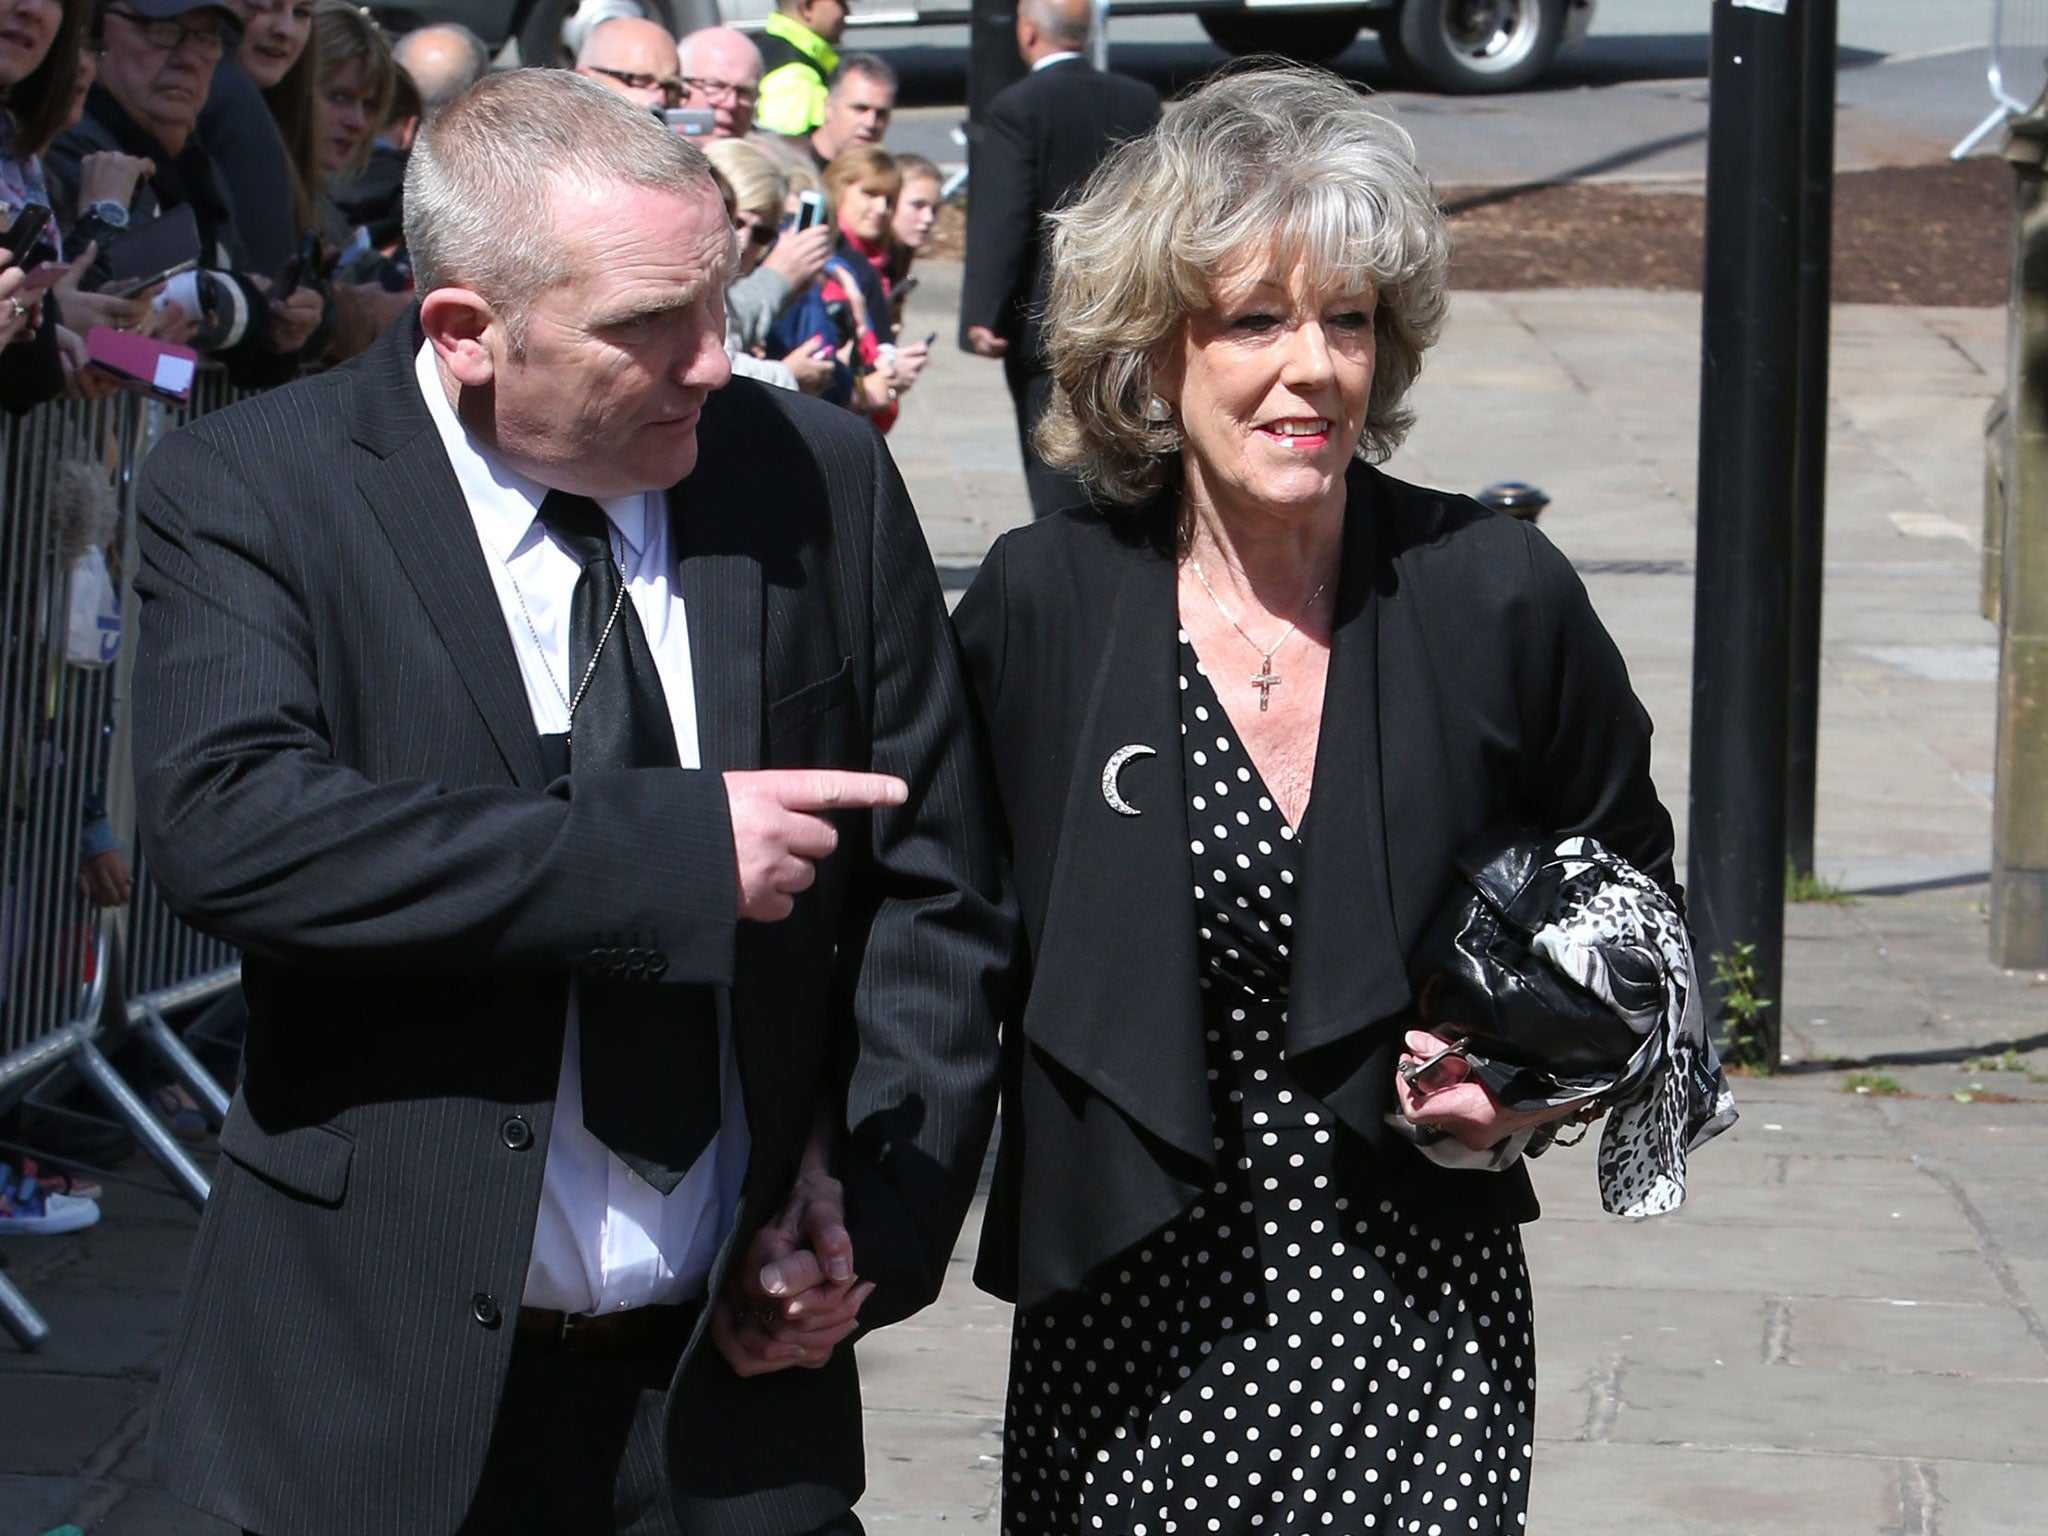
x=143 y=364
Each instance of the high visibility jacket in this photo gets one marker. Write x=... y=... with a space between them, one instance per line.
x=796 y=65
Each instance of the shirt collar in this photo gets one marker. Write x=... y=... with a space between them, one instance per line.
x=1055 y=58
x=504 y=503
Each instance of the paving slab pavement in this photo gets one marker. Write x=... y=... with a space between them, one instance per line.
x=1846 y=1330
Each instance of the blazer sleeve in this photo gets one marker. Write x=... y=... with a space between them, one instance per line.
x=930 y=980
x=1002 y=223
x=1592 y=764
x=255 y=831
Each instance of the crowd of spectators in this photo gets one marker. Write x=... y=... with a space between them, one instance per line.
x=279 y=129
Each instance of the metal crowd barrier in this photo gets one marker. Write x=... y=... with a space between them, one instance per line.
x=2017 y=68
x=64 y=732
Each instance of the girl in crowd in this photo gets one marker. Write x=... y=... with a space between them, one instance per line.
x=863 y=182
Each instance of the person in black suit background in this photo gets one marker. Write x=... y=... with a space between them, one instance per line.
x=536 y=710
x=1246 y=712
x=1041 y=138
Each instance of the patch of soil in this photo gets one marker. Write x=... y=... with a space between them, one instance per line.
x=1924 y=234
x=948 y=239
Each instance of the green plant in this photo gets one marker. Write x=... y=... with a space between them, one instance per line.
x=2011 y=1061
x=1871 y=1082
x=1743 y=1009
x=1808 y=886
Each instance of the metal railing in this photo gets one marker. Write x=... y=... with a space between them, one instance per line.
x=67 y=562
x=2017 y=70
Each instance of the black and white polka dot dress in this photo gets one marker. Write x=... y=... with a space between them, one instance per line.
x=1287 y=1355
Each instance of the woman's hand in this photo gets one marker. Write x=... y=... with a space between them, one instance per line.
x=82 y=381
x=812 y=365
x=910 y=360
x=1449 y=1098
x=17 y=315
x=108 y=176
x=878 y=387
x=82 y=310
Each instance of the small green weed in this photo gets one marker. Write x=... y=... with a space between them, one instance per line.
x=1814 y=887
x=2011 y=1061
x=1743 y=1010
x=1871 y=1082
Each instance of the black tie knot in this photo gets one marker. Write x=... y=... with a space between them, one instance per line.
x=579 y=526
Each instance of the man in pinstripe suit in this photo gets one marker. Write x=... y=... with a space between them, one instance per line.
x=580 y=758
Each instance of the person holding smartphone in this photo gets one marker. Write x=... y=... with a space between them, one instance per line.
x=38 y=63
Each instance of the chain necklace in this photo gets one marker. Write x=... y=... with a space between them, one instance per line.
x=569 y=702
x=1267 y=679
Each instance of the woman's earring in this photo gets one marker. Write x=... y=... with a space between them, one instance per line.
x=1157 y=411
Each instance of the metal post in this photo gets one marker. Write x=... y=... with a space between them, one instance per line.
x=1810 y=453
x=1098 y=33
x=992 y=59
x=183 y=1173
x=1735 y=865
x=184 y=1065
x=20 y=1319
x=2019 y=816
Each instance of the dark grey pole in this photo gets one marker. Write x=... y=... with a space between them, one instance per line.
x=992 y=59
x=1810 y=472
x=1735 y=863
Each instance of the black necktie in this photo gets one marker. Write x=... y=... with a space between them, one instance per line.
x=650 y=1053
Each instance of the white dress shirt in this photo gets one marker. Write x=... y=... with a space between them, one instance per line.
x=605 y=1239
x=1055 y=58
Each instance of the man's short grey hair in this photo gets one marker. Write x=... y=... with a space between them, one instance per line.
x=442 y=84
x=479 y=183
x=872 y=65
x=1288 y=167
x=1065 y=22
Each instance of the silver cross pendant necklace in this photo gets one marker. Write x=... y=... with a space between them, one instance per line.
x=1267 y=679
x=570 y=701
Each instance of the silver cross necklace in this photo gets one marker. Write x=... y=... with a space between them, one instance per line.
x=570 y=701
x=1267 y=679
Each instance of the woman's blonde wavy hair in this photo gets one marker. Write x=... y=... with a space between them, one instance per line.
x=1288 y=161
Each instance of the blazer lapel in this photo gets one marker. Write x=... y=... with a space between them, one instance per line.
x=1122 y=889
x=720 y=580
x=1349 y=967
x=412 y=491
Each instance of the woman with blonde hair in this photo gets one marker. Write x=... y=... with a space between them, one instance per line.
x=1244 y=716
x=862 y=182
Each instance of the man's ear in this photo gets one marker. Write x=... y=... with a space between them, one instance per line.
x=460 y=327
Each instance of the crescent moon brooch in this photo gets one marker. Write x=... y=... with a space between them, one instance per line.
x=1115 y=767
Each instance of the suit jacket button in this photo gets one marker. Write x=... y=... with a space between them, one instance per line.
x=483 y=1306
x=657 y=964
x=600 y=960
x=517 y=1133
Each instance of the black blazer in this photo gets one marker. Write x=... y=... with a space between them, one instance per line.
x=1468 y=679
x=338 y=771
x=1040 y=139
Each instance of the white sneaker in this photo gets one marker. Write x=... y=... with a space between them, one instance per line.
x=46 y=1215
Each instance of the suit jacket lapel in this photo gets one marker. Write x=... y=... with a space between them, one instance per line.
x=1349 y=966
x=720 y=581
x=1123 y=887
x=411 y=489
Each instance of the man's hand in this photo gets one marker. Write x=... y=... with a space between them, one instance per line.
x=104 y=879
x=800 y=255
x=777 y=839
x=1451 y=1099
x=292 y=320
x=793 y=1297
x=983 y=342
x=108 y=176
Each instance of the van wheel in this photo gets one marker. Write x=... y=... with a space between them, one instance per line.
x=1312 y=37
x=1470 y=47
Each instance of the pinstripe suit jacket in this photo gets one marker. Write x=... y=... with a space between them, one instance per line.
x=339 y=773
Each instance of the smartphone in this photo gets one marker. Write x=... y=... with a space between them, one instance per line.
x=904 y=289
x=142 y=363
x=690 y=122
x=150 y=253
x=26 y=229
x=294 y=270
x=840 y=313
x=810 y=209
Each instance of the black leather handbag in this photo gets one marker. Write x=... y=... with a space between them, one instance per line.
x=1489 y=972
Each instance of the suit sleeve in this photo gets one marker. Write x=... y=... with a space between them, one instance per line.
x=1002 y=222
x=1592 y=774
x=930 y=979
x=256 y=833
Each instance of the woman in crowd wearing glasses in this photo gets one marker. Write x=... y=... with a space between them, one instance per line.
x=1244 y=715
x=758 y=190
